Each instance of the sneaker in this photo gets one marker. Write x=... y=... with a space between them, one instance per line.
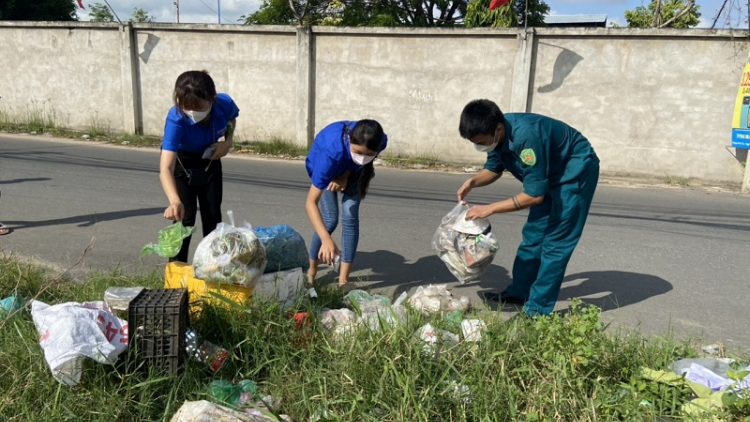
x=504 y=298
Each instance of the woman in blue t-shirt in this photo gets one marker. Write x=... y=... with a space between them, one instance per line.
x=340 y=160
x=190 y=167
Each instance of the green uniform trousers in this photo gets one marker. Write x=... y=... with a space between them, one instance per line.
x=550 y=235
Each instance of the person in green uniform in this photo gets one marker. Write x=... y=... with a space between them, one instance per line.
x=559 y=171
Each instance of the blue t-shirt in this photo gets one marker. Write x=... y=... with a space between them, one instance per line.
x=180 y=133
x=541 y=152
x=330 y=155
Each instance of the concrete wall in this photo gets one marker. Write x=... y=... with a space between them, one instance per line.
x=653 y=102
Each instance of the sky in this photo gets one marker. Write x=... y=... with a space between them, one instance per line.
x=207 y=11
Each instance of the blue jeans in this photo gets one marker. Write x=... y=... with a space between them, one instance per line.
x=329 y=209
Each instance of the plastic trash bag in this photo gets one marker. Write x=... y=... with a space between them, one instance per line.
x=340 y=321
x=376 y=315
x=285 y=248
x=119 y=297
x=363 y=299
x=71 y=331
x=11 y=304
x=170 y=241
x=435 y=299
x=230 y=254
x=466 y=247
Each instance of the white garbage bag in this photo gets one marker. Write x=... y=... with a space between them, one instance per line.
x=435 y=299
x=466 y=247
x=71 y=331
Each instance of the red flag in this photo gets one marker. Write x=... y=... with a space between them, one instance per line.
x=80 y=4
x=494 y=4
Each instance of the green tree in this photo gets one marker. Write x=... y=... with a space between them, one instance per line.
x=513 y=14
x=140 y=15
x=664 y=14
x=359 y=12
x=100 y=13
x=39 y=10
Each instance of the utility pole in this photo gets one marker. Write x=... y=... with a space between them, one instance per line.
x=177 y=9
x=219 y=4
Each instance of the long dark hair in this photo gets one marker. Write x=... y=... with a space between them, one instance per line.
x=370 y=134
x=191 y=87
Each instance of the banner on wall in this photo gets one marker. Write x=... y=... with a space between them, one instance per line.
x=741 y=121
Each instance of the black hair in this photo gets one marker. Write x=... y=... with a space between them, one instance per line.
x=370 y=134
x=191 y=87
x=480 y=117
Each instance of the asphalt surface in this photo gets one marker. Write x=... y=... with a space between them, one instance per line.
x=655 y=259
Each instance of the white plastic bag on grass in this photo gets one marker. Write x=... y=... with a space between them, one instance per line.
x=435 y=299
x=71 y=331
x=230 y=254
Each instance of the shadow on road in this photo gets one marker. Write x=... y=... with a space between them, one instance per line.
x=605 y=289
x=87 y=220
x=28 y=179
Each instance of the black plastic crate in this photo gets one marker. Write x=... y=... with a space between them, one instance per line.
x=157 y=326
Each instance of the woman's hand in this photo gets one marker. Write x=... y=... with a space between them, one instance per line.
x=338 y=184
x=175 y=212
x=222 y=149
x=328 y=251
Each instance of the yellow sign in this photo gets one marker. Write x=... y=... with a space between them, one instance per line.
x=741 y=121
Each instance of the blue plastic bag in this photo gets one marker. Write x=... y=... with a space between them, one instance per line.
x=285 y=248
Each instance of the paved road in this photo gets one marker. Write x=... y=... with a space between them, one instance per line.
x=653 y=258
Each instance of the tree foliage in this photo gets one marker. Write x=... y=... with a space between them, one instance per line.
x=100 y=13
x=664 y=14
x=140 y=15
x=478 y=14
x=359 y=12
x=38 y=10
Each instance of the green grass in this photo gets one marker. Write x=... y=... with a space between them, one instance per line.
x=32 y=120
x=559 y=368
x=275 y=147
x=676 y=180
x=424 y=161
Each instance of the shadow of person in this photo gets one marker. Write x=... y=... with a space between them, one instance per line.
x=612 y=289
x=387 y=270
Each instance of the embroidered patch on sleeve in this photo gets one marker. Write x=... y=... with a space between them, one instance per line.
x=528 y=157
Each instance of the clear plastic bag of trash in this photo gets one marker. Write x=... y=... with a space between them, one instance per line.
x=170 y=241
x=362 y=299
x=377 y=315
x=436 y=299
x=466 y=247
x=285 y=248
x=119 y=297
x=340 y=321
x=230 y=254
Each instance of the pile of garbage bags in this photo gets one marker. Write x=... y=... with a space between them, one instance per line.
x=466 y=247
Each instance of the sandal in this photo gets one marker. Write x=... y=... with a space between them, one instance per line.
x=4 y=229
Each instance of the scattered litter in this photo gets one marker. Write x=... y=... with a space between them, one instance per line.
x=712 y=349
x=11 y=304
x=282 y=286
x=208 y=353
x=230 y=254
x=170 y=241
x=437 y=340
x=285 y=248
x=85 y=136
x=434 y=299
x=340 y=321
x=203 y=410
x=70 y=331
x=472 y=329
x=458 y=391
x=119 y=298
x=709 y=372
x=466 y=247
x=470 y=169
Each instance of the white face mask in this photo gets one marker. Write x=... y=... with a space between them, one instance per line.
x=361 y=159
x=485 y=148
x=197 y=116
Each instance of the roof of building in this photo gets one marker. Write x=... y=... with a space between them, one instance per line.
x=568 y=19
